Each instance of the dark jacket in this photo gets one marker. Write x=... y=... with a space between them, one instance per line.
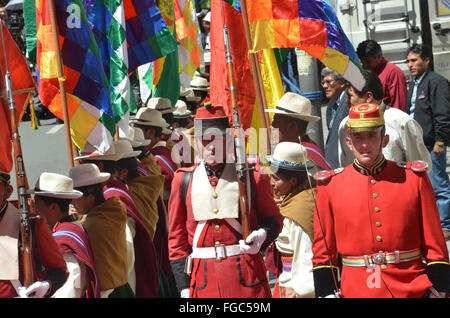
x=432 y=110
x=331 y=145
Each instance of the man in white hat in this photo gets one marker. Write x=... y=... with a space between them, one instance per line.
x=143 y=274
x=183 y=135
x=141 y=285
x=105 y=223
x=51 y=275
x=153 y=126
x=289 y=174
x=292 y=116
x=200 y=87
x=53 y=193
x=181 y=115
x=145 y=191
x=164 y=106
x=192 y=101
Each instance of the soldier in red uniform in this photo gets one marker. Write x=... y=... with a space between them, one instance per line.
x=381 y=218
x=49 y=267
x=206 y=250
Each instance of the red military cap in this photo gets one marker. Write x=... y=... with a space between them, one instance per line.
x=209 y=118
x=364 y=117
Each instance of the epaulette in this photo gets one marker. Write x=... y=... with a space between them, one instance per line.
x=326 y=174
x=417 y=166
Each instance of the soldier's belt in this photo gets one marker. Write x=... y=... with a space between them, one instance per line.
x=382 y=258
x=219 y=252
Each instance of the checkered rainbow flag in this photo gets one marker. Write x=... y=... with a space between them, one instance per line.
x=87 y=87
x=188 y=33
x=129 y=33
x=310 y=25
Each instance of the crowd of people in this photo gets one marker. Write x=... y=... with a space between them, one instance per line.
x=159 y=215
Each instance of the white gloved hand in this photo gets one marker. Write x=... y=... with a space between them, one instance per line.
x=35 y=290
x=184 y=293
x=254 y=241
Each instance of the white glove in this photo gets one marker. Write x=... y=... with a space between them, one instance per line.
x=184 y=293
x=35 y=290
x=253 y=243
x=330 y=296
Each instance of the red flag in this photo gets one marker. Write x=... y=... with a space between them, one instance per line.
x=22 y=85
x=219 y=87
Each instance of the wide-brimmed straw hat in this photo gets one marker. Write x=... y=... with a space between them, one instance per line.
x=125 y=149
x=290 y=156
x=87 y=174
x=91 y=153
x=161 y=104
x=294 y=105
x=150 y=117
x=199 y=83
x=135 y=137
x=181 y=110
x=191 y=97
x=55 y=185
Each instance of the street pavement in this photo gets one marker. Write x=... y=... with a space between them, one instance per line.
x=43 y=149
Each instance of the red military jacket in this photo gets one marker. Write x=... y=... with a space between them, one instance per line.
x=242 y=275
x=361 y=212
x=48 y=264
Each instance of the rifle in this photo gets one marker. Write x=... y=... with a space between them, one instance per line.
x=242 y=169
x=26 y=213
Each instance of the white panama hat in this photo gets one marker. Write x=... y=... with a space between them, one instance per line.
x=290 y=156
x=190 y=97
x=91 y=153
x=135 y=137
x=125 y=149
x=87 y=174
x=161 y=104
x=199 y=83
x=181 y=110
x=294 y=105
x=55 y=185
x=151 y=117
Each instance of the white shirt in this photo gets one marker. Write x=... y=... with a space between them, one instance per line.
x=77 y=282
x=405 y=139
x=293 y=240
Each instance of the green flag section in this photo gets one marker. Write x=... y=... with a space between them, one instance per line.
x=29 y=16
x=108 y=20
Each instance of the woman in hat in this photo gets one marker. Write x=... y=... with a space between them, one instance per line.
x=53 y=194
x=289 y=167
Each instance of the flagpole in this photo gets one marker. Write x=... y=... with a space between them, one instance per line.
x=61 y=80
x=257 y=78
